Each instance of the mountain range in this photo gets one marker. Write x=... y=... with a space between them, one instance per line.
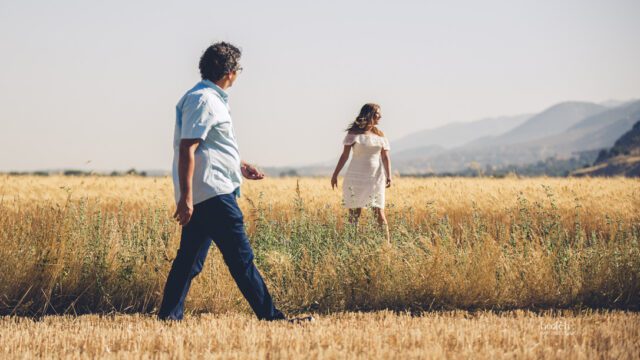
x=622 y=159
x=562 y=130
x=458 y=133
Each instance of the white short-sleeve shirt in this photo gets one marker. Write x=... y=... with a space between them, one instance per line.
x=203 y=113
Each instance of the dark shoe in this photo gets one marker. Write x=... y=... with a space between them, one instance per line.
x=168 y=318
x=301 y=320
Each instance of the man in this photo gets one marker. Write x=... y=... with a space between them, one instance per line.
x=207 y=173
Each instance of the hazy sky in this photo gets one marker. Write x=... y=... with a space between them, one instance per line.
x=98 y=81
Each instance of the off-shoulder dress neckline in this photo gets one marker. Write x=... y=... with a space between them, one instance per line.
x=363 y=134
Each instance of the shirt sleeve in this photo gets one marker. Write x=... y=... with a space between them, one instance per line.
x=198 y=117
x=350 y=139
x=385 y=144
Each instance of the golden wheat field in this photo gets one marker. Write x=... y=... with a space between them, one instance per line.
x=379 y=335
x=474 y=267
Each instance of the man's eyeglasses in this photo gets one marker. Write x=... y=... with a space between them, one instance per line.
x=238 y=70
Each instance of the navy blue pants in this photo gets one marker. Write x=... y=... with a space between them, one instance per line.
x=220 y=220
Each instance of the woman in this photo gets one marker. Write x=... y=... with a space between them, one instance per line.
x=370 y=169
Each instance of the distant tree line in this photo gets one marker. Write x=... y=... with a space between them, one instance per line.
x=74 y=172
x=552 y=166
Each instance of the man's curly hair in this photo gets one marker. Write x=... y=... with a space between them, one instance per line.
x=218 y=60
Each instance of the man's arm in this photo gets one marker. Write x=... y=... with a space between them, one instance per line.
x=186 y=165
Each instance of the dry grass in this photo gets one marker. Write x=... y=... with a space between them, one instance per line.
x=382 y=335
x=597 y=196
x=97 y=244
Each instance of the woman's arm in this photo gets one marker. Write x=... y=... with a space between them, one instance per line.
x=386 y=162
x=343 y=160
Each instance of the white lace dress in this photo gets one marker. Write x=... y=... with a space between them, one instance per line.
x=365 y=180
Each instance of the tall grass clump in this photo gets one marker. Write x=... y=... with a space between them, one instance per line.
x=106 y=245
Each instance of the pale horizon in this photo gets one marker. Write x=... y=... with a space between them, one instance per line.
x=94 y=86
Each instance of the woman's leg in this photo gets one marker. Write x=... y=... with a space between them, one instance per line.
x=382 y=221
x=354 y=215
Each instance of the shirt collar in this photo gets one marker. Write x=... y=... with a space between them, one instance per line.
x=218 y=89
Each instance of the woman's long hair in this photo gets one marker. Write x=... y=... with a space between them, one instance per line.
x=365 y=120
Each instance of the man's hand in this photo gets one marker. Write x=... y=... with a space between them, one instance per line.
x=184 y=211
x=250 y=172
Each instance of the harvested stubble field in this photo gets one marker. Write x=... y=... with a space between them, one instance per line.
x=381 y=335
x=73 y=245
